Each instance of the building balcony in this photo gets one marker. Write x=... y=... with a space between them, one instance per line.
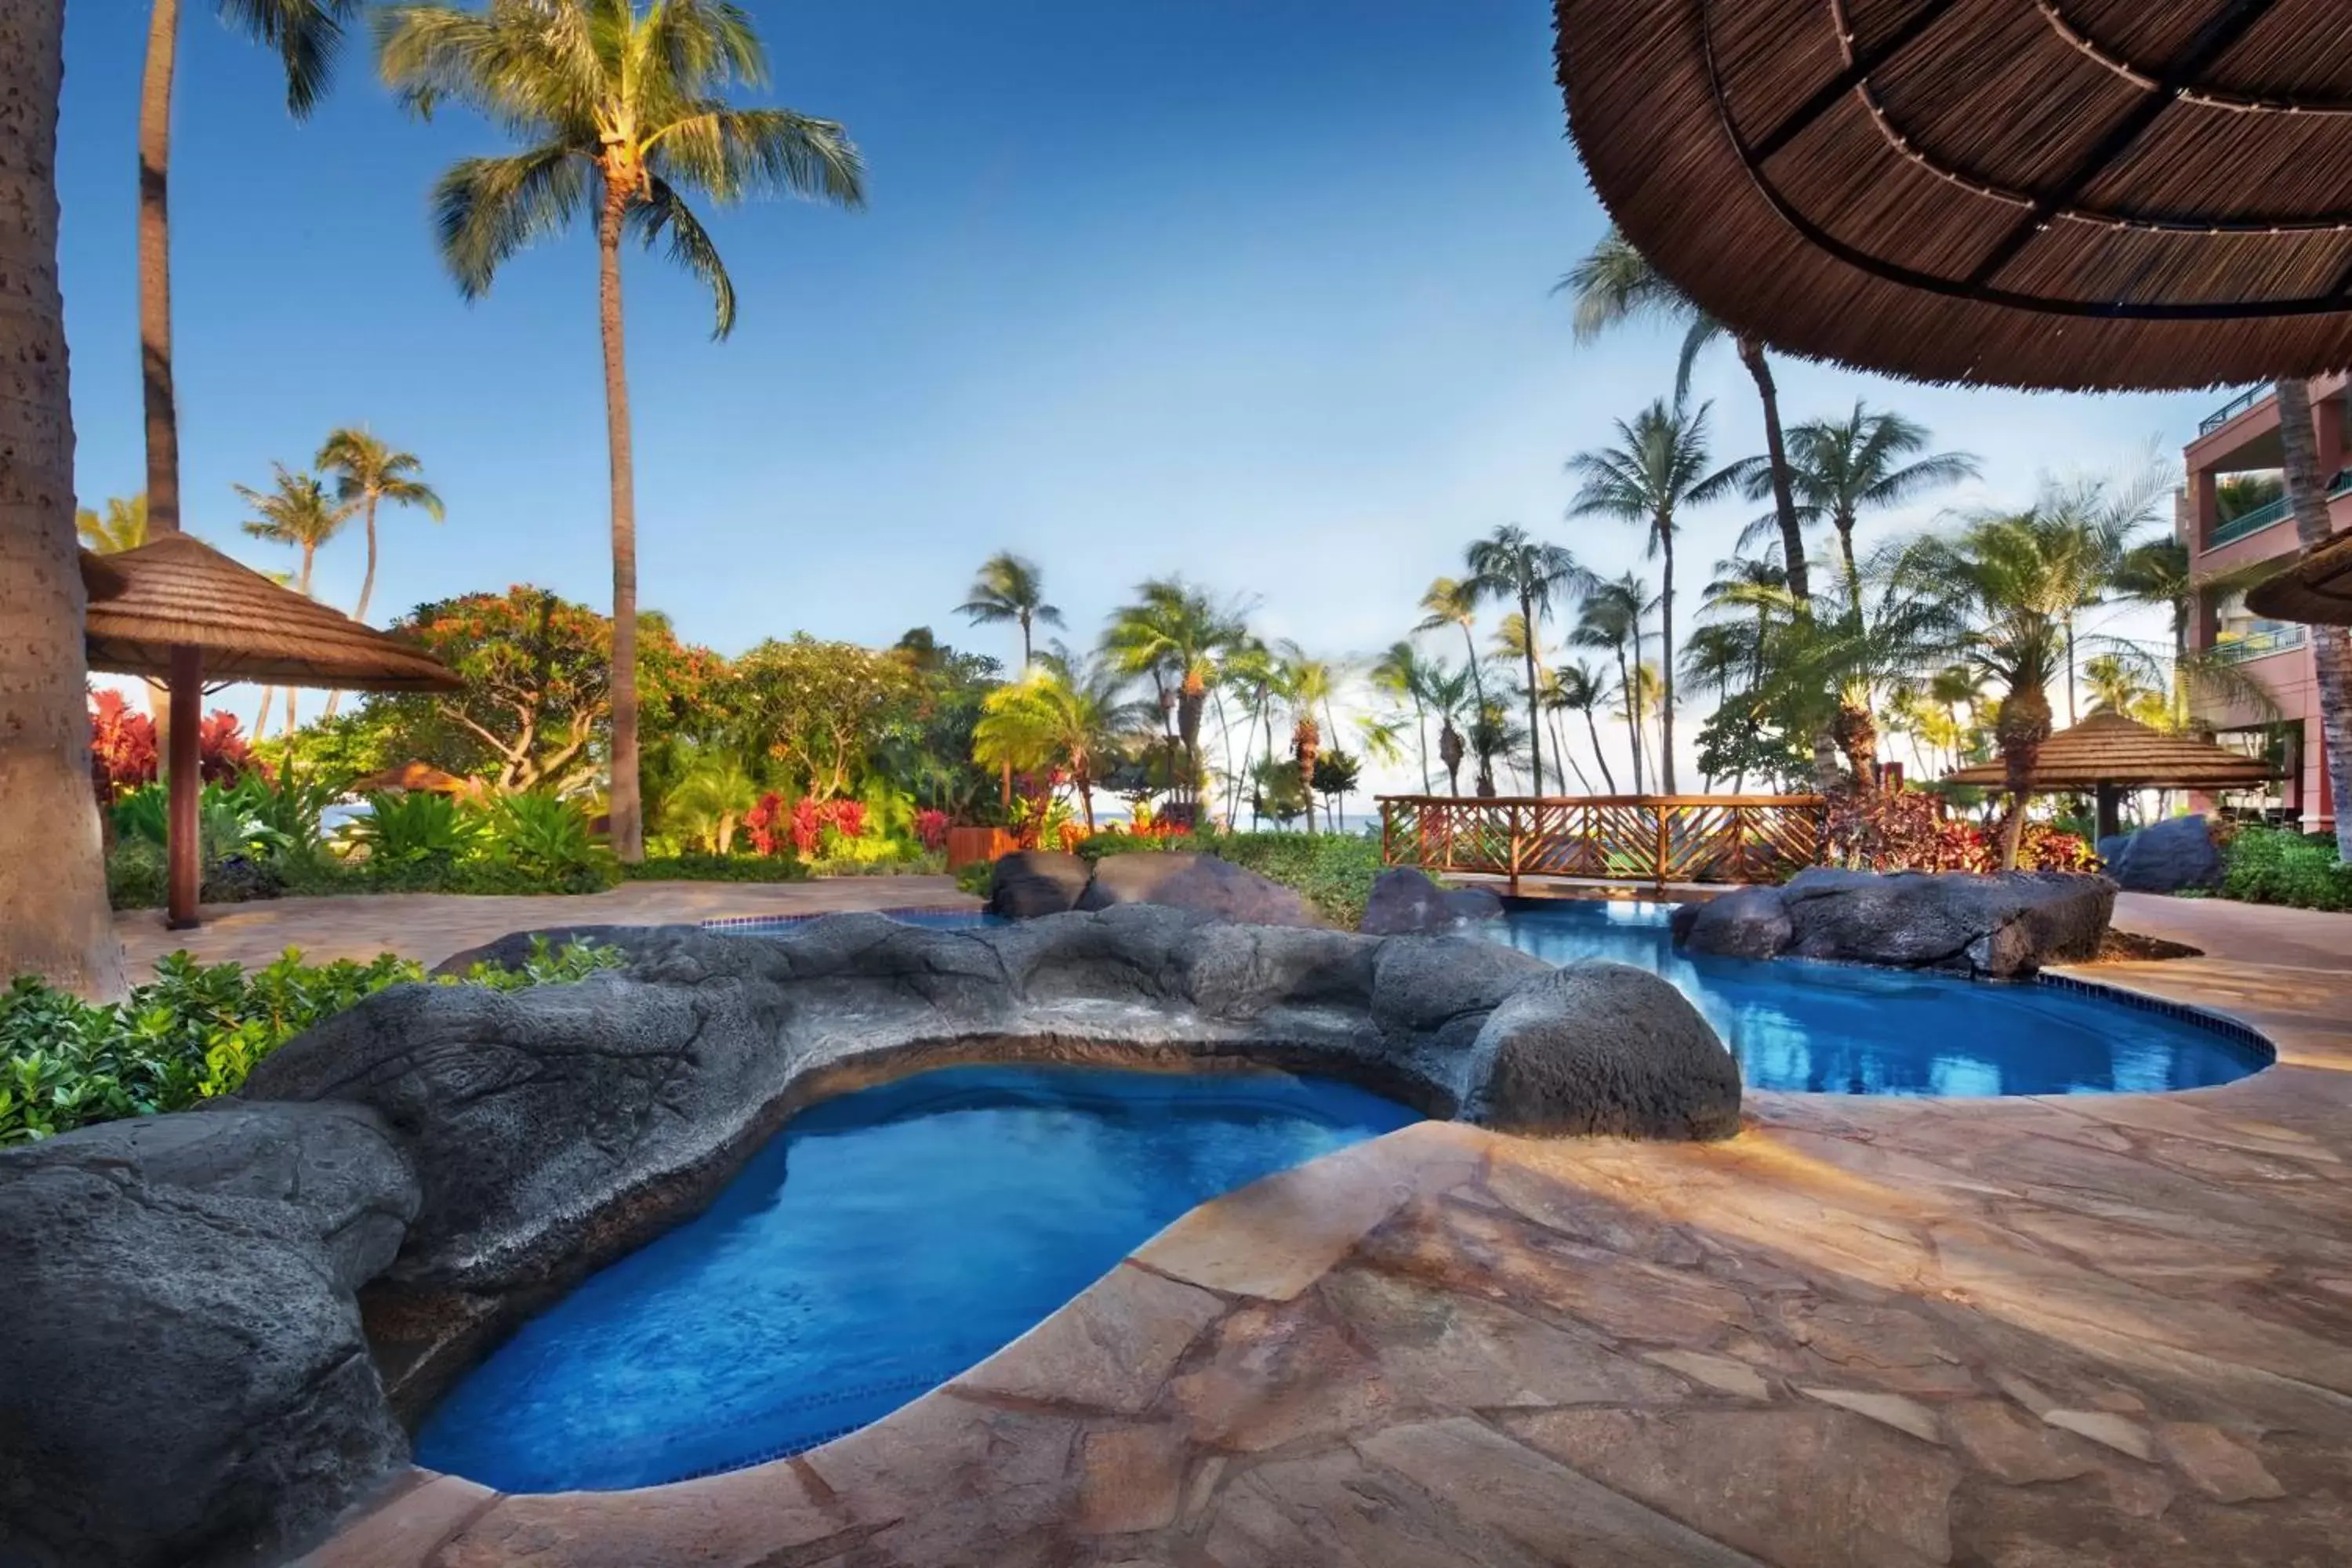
x=2277 y=512
x=2235 y=406
x=2260 y=644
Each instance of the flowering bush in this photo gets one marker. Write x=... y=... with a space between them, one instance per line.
x=932 y=829
x=1907 y=830
x=123 y=745
x=808 y=824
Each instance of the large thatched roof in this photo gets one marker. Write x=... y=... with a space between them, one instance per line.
x=2316 y=589
x=179 y=591
x=2087 y=193
x=2109 y=749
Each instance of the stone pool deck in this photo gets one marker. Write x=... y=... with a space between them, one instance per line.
x=2105 y=1330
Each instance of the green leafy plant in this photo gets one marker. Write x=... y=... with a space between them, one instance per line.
x=413 y=828
x=2270 y=866
x=543 y=835
x=196 y=1031
x=689 y=867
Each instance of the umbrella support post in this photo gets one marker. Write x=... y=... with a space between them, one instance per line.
x=2111 y=810
x=183 y=854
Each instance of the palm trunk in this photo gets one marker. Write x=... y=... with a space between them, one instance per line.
x=1421 y=728
x=155 y=269
x=2331 y=645
x=1784 y=500
x=625 y=807
x=1478 y=681
x=1593 y=729
x=260 y=720
x=52 y=875
x=1535 y=717
x=1853 y=571
x=1628 y=684
x=2070 y=717
x=1666 y=657
x=301 y=586
x=367 y=590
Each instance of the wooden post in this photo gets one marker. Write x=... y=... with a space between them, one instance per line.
x=183 y=856
x=1514 y=851
x=1665 y=813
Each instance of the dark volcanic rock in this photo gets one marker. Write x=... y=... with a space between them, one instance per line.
x=183 y=1379
x=2166 y=856
x=1600 y=1048
x=1032 y=882
x=1751 y=923
x=1998 y=927
x=1404 y=900
x=1201 y=883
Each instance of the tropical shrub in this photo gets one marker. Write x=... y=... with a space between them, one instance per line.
x=1334 y=872
x=195 y=1031
x=932 y=829
x=123 y=752
x=1907 y=830
x=544 y=837
x=414 y=828
x=2272 y=866
x=697 y=867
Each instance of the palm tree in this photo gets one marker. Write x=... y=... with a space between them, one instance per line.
x=2306 y=489
x=1309 y=682
x=1401 y=673
x=122 y=526
x=1657 y=472
x=1510 y=566
x=1174 y=635
x=307 y=34
x=1454 y=602
x=1448 y=693
x=711 y=800
x=1612 y=620
x=1615 y=283
x=623 y=114
x=1064 y=712
x=1839 y=469
x=1009 y=587
x=301 y=512
x=52 y=878
x=1580 y=689
x=368 y=471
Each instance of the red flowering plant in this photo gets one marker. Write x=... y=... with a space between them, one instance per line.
x=931 y=828
x=1907 y=830
x=807 y=825
x=121 y=743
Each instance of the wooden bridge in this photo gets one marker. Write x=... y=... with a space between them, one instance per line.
x=1651 y=838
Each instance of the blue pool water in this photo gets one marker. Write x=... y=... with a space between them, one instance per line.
x=1845 y=1029
x=883 y=1243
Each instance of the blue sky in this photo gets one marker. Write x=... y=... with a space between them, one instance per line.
x=1252 y=289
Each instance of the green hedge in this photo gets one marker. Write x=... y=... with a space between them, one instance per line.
x=2269 y=866
x=1334 y=871
x=687 y=868
x=195 y=1031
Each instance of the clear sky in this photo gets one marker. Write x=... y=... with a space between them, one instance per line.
x=1256 y=290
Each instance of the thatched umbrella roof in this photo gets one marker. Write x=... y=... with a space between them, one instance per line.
x=2316 y=589
x=179 y=591
x=2082 y=194
x=98 y=580
x=2109 y=750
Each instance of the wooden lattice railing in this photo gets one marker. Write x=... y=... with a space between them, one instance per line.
x=1653 y=839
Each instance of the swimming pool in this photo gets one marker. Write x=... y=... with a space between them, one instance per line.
x=1849 y=1029
x=883 y=1243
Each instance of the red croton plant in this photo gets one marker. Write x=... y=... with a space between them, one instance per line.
x=1908 y=830
x=123 y=751
x=772 y=824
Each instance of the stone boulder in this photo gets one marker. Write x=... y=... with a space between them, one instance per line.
x=1201 y=883
x=1995 y=927
x=2166 y=856
x=184 y=1378
x=1607 y=1049
x=1749 y=923
x=1404 y=900
x=1032 y=882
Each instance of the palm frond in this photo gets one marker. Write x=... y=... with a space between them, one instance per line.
x=486 y=209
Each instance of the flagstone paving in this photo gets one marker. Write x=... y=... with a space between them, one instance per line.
x=2095 y=1330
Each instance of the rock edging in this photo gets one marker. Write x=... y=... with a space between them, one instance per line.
x=2000 y=927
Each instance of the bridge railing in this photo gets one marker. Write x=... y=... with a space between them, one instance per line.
x=1652 y=838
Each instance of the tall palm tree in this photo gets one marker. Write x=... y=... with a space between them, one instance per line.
x=1310 y=683
x=1839 y=469
x=1174 y=635
x=1401 y=672
x=1009 y=587
x=1657 y=472
x=300 y=511
x=2155 y=574
x=1510 y=566
x=307 y=34
x=122 y=526
x=369 y=471
x=1450 y=696
x=1612 y=620
x=2306 y=489
x=1454 y=602
x=1580 y=689
x=624 y=114
x=52 y=880
x=1615 y=283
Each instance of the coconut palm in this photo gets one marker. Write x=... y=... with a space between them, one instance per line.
x=1174 y=635
x=1401 y=672
x=300 y=511
x=1615 y=283
x=1310 y=683
x=1612 y=620
x=2307 y=491
x=1009 y=587
x=121 y=526
x=2154 y=573
x=369 y=471
x=1840 y=468
x=623 y=115
x=1515 y=569
x=1454 y=602
x=1449 y=696
x=1658 y=471
x=52 y=879
x=307 y=34
x=1066 y=713
x=1578 y=688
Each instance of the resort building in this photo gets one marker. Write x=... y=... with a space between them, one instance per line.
x=2226 y=525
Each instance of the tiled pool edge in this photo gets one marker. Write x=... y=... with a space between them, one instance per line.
x=2223 y=1023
